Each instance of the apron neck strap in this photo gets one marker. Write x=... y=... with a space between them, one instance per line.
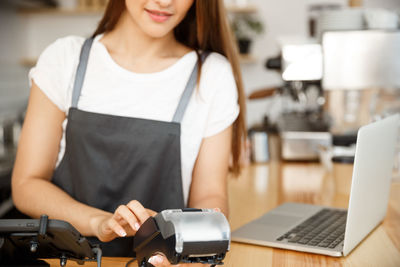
x=81 y=71
x=187 y=93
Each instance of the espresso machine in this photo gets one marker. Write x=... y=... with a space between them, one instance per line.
x=303 y=125
x=336 y=84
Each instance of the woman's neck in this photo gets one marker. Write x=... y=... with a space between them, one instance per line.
x=133 y=49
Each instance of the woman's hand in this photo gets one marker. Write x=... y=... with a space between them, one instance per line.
x=125 y=221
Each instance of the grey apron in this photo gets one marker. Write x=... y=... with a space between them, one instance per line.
x=111 y=160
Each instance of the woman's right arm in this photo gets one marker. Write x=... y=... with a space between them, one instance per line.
x=33 y=192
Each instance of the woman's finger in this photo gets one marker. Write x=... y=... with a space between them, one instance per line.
x=139 y=211
x=151 y=212
x=123 y=212
x=159 y=261
x=116 y=227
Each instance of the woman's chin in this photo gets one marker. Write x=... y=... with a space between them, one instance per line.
x=157 y=33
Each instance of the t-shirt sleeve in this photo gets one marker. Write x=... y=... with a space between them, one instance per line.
x=224 y=107
x=53 y=72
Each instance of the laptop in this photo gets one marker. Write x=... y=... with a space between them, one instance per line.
x=331 y=231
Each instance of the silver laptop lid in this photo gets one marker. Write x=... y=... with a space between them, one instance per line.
x=371 y=180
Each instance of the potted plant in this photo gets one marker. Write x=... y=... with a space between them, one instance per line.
x=245 y=27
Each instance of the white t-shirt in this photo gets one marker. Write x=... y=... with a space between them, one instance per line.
x=110 y=89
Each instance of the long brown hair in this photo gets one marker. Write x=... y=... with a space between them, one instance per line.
x=205 y=28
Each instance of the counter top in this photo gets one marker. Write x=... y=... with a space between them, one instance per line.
x=263 y=187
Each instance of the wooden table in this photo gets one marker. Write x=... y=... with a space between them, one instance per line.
x=263 y=187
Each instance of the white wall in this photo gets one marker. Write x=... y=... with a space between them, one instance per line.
x=26 y=35
x=12 y=36
x=43 y=30
x=389 y=4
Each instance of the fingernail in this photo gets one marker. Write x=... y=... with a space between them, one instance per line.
x=158 y=259
x=137 y=226
x=122 y=233
x=152 y=260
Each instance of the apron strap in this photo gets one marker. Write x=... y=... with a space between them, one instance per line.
x=187 y=93
x=81 y=71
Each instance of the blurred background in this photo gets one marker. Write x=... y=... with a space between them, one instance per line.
x=314 y=71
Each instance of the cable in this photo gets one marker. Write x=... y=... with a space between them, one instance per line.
x=98 y=255
x=129 y=262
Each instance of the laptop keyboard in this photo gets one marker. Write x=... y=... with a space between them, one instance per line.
x=324 y=229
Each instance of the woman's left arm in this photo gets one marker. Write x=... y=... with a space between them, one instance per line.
x=209 y=179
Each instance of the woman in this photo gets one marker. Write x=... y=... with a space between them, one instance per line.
x=132 y=121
